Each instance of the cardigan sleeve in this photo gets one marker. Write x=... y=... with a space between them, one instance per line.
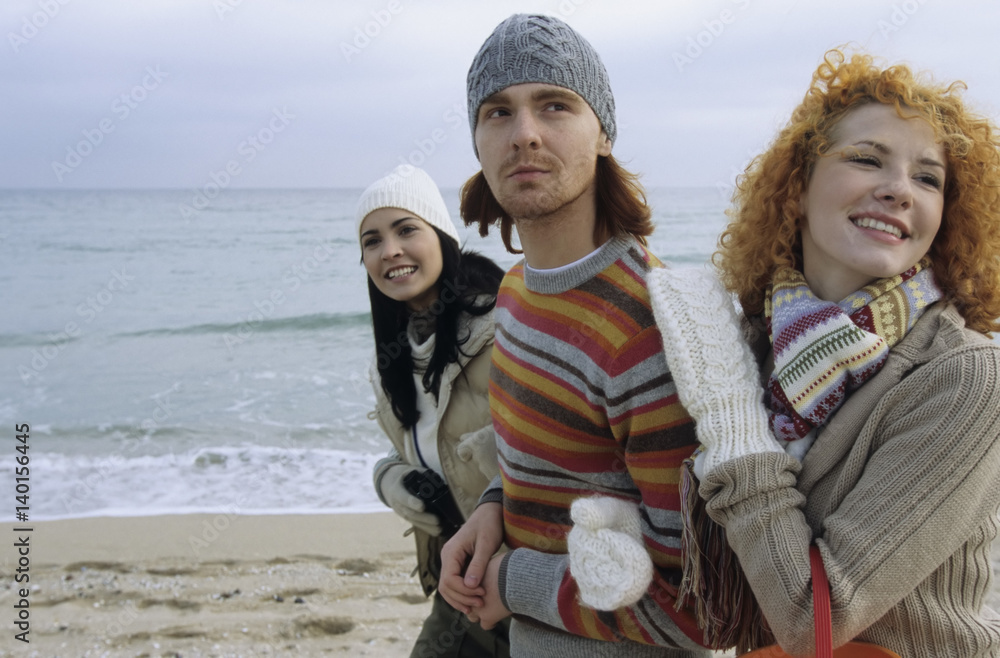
x=393 y=458
x=382 y=467
x=930 y=477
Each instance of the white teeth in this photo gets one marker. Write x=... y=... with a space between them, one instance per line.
x=868 y=222
x=401 y=272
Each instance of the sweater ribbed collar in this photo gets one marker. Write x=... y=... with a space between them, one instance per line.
x=555 y=282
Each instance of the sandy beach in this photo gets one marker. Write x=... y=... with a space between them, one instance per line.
x=217 y=585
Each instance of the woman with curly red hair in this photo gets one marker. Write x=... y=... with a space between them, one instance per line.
x=766 y=218
x=864 y=248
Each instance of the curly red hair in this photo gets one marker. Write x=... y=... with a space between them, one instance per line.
x=763 y=233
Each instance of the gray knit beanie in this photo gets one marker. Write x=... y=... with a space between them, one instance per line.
x=408 y=188
x=531 y=48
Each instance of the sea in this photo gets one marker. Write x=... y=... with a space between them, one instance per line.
x=162 y=353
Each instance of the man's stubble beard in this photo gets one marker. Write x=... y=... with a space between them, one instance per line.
x=538 y=206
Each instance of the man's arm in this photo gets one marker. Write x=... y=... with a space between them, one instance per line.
x=493 y=610
x=542 y=586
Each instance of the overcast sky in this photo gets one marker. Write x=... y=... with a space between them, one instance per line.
x=321 y=93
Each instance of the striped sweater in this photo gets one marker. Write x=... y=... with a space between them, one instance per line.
x=582 y=404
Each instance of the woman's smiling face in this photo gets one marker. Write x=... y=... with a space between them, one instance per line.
x=874 y=202
x=402 y=254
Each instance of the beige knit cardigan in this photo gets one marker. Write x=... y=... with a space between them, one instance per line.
x=900 y=491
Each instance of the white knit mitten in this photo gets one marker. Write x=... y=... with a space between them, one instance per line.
x=607 y=556
x=715 y=372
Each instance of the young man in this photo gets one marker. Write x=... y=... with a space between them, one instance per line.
x=581 y=398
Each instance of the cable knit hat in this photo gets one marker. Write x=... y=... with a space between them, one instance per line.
x=531 y=48
x=408 y=188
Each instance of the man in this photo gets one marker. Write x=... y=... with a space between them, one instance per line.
x=581 y=398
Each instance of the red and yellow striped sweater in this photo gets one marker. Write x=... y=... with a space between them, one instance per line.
x=582 y=404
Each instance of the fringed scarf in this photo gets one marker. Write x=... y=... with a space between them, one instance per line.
x=823 y=351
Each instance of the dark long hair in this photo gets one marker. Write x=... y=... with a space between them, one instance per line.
x=465 y=276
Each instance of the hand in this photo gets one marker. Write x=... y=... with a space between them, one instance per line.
x=607 y=554
x=466 y=555
x=493 y=610
x=716 y=375
x=406 y=504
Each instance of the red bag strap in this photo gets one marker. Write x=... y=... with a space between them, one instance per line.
x=821 y=605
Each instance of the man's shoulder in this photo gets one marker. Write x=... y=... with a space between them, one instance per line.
x=642 y=254
x=512 y=277
x=620 y=294
x=633 y=257
x=516 y=271
x=631 y=271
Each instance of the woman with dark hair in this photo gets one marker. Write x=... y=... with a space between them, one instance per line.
x=432 y=315
x=864 y=248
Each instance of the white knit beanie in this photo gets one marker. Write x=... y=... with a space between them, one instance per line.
x=407 y=188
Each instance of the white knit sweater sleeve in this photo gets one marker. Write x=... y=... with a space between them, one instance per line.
x=716 y=375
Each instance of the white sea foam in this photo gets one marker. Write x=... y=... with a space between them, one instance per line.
x=244 y=479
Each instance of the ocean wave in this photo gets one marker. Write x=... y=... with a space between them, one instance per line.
x=37 y=339
x=97 y=249
x=239 y=480
x=311 y=322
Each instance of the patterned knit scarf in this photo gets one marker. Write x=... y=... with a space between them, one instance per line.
x=823 y=351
